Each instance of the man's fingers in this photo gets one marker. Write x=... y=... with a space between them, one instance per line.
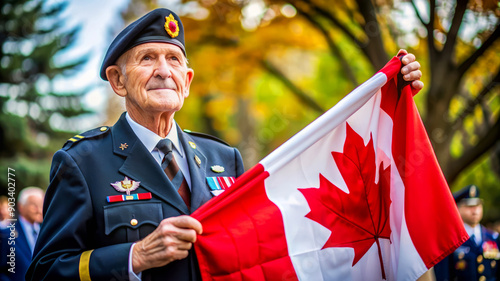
x=414 y=75
x=408 y=58
x=413 y=66
x=186 y=222
x=185 y=246
x=174 y=235
x=417 y=84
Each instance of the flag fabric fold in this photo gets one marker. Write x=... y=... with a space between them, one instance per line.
x=356 y=195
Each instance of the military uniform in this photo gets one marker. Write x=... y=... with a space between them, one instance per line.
x=89 y=224
x=85 y=237
x=472 y=260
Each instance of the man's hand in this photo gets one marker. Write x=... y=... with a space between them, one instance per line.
x=170 y=241
x=411 y=70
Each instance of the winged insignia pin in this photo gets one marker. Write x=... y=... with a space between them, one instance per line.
x=126 y=185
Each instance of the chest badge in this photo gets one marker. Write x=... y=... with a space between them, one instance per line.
x=197 y=160
x=217 y=169
x=219 y=184
x=490 y=250
x=127 y=185
x=192 y=144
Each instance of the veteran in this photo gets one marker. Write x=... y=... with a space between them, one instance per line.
x=478 y=257
x=119 y=197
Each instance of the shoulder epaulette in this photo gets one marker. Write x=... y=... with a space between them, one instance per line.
x=87 y=135
x=207 y=136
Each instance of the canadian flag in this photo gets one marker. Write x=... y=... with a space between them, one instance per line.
x=356 y=195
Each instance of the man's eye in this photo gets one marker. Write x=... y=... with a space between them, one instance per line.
x=146 y=58
x=175 y=58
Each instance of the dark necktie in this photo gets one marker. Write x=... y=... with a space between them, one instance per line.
x=174 y=173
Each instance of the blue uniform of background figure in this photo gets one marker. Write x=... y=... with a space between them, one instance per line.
x=79 y=218
x=469 y=262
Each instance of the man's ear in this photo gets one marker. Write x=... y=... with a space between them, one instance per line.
x=189 y=79
x=116 y=80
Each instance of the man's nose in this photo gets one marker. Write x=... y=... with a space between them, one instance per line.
x=162 y=69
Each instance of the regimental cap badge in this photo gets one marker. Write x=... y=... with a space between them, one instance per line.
x=171 y=26
x=472 y=191
x=126 y=185
x=217 y=168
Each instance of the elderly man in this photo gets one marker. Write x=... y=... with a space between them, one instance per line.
x=26 y=228
x=119 y=197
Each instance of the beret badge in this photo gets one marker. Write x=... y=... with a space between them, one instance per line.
x=171 y=26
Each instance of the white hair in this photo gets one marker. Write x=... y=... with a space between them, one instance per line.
x=27 y=192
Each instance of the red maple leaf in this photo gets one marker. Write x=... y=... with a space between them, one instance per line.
x=361 y=217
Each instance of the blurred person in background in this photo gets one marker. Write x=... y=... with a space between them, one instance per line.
x=26 y=228
x=4 y=211
x=478 y=257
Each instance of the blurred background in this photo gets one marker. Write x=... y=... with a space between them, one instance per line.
x=264 y=69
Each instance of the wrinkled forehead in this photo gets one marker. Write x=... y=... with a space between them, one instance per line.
x=138 y=51
x=160 y=48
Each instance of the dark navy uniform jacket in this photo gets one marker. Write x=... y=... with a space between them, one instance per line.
x=84 y=236
x=472 y=262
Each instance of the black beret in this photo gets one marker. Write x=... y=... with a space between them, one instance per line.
x=468 y=195
x=160 y=25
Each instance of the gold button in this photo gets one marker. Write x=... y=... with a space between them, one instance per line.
x=493 y=264
x=480 y=269
x=482 y=278
x=461 y=265
x=461 y=255
x=103 y=129
x=133 y=222
x=480 y=259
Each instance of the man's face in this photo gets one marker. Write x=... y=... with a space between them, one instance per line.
x=471 y=215
x=32 y=210
x=156 y=78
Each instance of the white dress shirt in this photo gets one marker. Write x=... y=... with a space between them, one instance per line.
x=150 y=140
x=476 y=231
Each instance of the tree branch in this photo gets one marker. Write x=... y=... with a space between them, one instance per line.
x=333 y=47
x=451 y=37
x=430 y=34
x=418 y=14
x=374 y=48
x=335 y=22
x=367 y=9
x=470 y=61
x=472 y=104
x=455 y=167
x=301 y=95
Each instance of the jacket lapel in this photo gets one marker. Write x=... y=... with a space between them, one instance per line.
x=199 y=190
x=141 y=166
